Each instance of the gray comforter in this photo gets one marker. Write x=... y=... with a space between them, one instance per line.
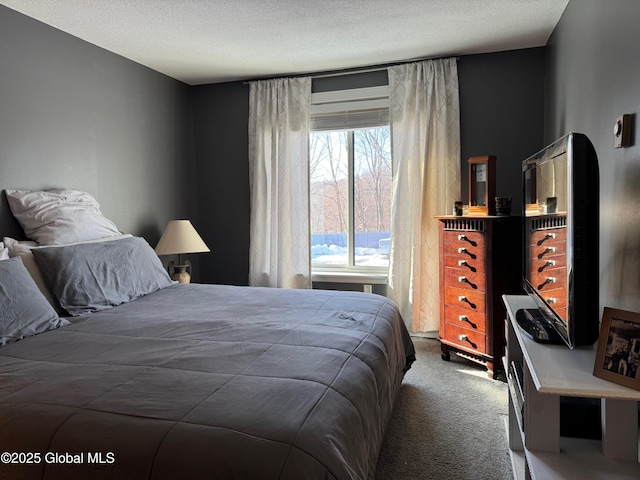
x=204 y=381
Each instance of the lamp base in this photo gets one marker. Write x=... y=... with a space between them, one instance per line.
x=180 y=273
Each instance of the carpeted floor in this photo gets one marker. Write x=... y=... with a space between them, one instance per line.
x=448 y=422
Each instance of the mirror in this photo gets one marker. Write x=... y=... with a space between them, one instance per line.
x=545 y=192
x=479 y=172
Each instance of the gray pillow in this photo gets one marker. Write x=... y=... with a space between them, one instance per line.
x=23 y=249
x=23 y=309
x=88 y=277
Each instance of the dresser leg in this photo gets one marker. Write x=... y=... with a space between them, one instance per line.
x=490 y=370
x=445 y=355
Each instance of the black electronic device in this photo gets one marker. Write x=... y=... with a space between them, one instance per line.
x=561 y=240
x=536 y=327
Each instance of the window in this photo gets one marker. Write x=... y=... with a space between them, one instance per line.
x=350 y=181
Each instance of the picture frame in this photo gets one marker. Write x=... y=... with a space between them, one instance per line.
x=618 y=353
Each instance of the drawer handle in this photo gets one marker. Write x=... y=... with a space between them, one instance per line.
x=548 y=236
x=547 y=250
x=464 y=238
x=549 y=263
x=462 y=298
x=546 y=282
x=463 y=263
x=464 y=318
x=551 y=300
x=464 y=250
x=464 y=338
x=464 y=279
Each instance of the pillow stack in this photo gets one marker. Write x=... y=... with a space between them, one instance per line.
x=76 y=262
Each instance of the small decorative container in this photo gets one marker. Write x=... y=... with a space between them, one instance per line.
x=503 y=206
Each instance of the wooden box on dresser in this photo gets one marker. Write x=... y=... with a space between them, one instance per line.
x=480 y=260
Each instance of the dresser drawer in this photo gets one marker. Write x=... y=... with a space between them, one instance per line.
x=551 y=250
x=465 y=318
x=464 y=239
x=456 y=252
x=466 y=279
x=465 y=299
x=552 y=279
x=464 y=338
x=543 y=265
x=562 y=311
x=545 y=236
x=556 y=296
x=464 y=262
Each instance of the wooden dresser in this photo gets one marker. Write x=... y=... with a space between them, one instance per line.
x=480 y=260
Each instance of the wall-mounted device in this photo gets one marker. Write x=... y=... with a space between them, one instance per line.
x=622 y=131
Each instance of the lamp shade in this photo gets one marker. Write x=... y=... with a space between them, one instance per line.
x=180 y=237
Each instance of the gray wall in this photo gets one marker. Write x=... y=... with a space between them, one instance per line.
x=150 y=148
x=502 y=107
x=74 y=115
x=501 y=113
x=593 y=77
x=221 y=138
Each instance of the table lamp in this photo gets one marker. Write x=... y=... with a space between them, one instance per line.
x=179 y=238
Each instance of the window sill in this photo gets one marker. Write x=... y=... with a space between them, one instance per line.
x=350 y=277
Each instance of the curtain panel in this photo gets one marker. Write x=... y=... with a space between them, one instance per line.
x=279 y=250
x=425 y=142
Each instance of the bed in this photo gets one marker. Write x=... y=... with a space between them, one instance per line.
x=128 y=375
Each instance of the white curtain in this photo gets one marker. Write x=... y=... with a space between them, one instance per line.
x=425 y=140
x=279 y=181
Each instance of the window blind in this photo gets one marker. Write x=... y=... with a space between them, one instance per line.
x=350 y=109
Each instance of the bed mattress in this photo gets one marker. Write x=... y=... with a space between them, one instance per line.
x=206 y=381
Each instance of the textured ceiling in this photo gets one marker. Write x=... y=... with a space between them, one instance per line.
x=208 y=41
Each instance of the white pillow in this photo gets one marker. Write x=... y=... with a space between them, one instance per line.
x=59 y=216
x=14 y=246
x=4 y=252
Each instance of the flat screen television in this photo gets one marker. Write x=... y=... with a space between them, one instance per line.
x=560 y=186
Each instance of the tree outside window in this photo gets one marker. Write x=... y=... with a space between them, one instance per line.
x=350 y=192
